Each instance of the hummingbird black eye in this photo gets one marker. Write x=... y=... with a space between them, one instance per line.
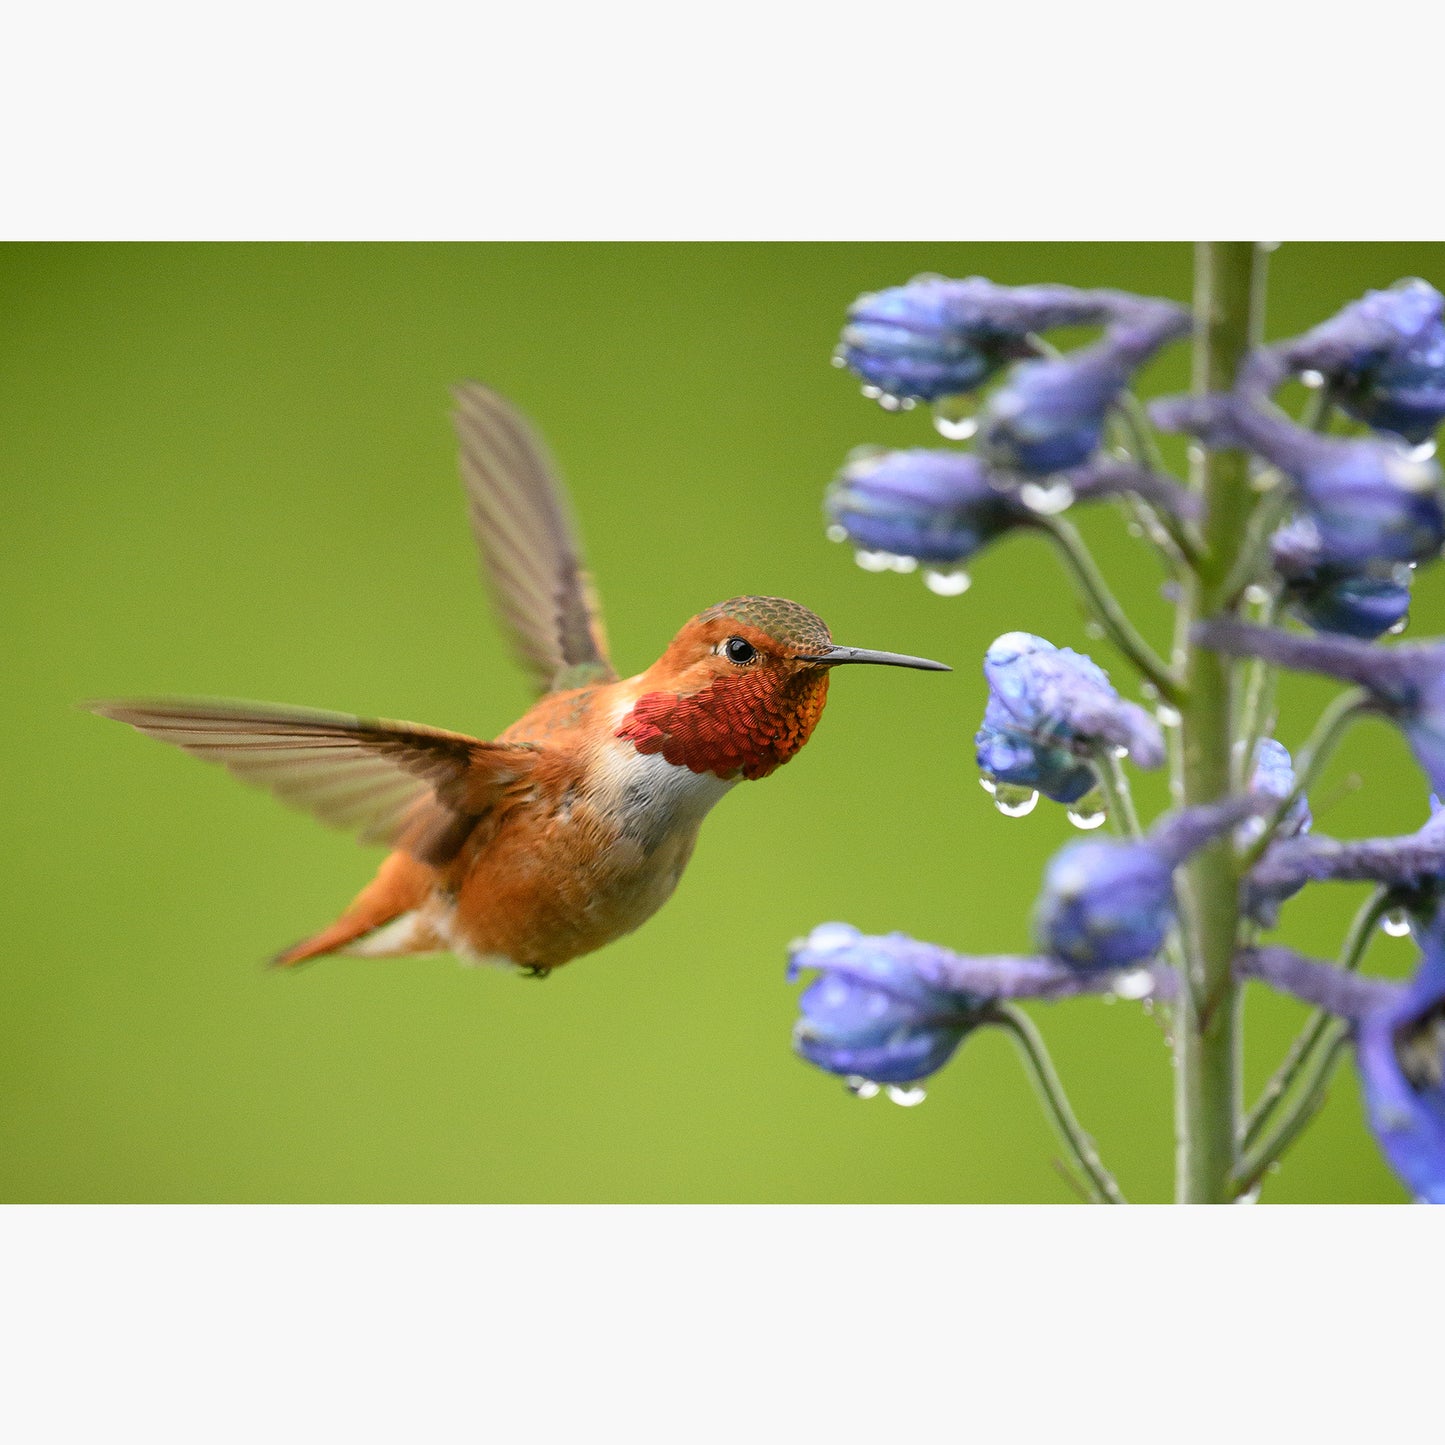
x=736 y=649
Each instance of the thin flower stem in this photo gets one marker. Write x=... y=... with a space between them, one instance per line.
x=1041 y=1069
x=1352 y=951
x=1254 y=721
x=1105 y=607
x=1114 y=785
x=1173 y=532
x=1313 y=1091
x=1333 y=722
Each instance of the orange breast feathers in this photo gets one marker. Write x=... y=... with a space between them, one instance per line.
x=749 y=725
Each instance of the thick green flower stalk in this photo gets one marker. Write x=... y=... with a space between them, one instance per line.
x=1319 y=521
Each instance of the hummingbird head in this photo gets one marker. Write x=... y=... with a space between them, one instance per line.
x=741 y=687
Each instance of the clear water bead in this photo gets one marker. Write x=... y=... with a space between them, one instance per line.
x=1166 y=716
x=988 y=785
x=947 y=584
x=1423 y=452
x=1136 y=984
x=1312 y=379
x=836 y=533
x=873 y=561
x=860 y=1087
x=870 y=392
x=906 y=1095
x=1015 y=802
x=904 y=564
x=1399 y=627
x=1256 y=595
x=1088 y=814
x=955 y=429
x=1396 y=923
x=1047 y=498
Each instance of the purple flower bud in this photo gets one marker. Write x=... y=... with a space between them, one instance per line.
x=1049 y=415
x=891 y=1009
x=1109 y=902
x=1370 y=498
x=1049 y=711
x=1330 y=598
x=1106 y=903
x=1407 y=684
x=938 y=337
x=1399 y=1034
x=1400 y=1050
x=1412 y=867
x=1384 y=358
x=935 y=505
x=940 y=506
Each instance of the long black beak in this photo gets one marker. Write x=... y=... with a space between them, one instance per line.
x=836 y=655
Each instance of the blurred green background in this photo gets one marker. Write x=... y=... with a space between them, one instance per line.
x=228 y=470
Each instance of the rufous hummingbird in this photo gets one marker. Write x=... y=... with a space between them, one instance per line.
x=573 y=827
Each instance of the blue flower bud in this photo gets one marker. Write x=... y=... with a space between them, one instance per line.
x=1332 y=598
x=1049 y=415
x=1399 y=1035
x=935 y=505
x=1105 y=903
x=1108 y=903
x=926 y=339
x=1400 y=1052
x=1406 y=684
x=939 y=337
x=880 y=1008
x=1383 y=357
x=1050 y=709
x=892 y=1009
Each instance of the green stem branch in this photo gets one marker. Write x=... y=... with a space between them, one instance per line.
x=1105 y=607
x=1036 y=1059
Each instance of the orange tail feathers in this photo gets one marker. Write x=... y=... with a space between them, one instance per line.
x=401 y=884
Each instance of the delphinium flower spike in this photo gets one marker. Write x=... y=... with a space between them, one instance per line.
x=1049 y=714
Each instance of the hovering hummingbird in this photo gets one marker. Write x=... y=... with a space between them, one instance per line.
x=574 y=826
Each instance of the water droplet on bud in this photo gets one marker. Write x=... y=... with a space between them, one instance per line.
x=873 y=561
x=1137 y=983
x=955 y=429
x=1047 y=498
x=835 y=533
x=889 y=402
x=907 y=1095
x=1014 y=802
x=1256 y=595
x=1088 y=815
x=904 y=564
x=1423 y=452
x=1094 y=630
x=1312 y=379
x=838 y=358
x=988 y=785
x=1396 y=923
x=1135 y=529
x=860 y=1087
x=1166 y=716
x=1399 y=627
x=947 y=584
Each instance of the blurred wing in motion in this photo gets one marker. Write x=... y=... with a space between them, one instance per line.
x=416 y=788
x=532 y=559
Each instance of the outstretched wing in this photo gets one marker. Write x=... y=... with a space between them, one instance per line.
x=532 y=559
x=414 y=787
